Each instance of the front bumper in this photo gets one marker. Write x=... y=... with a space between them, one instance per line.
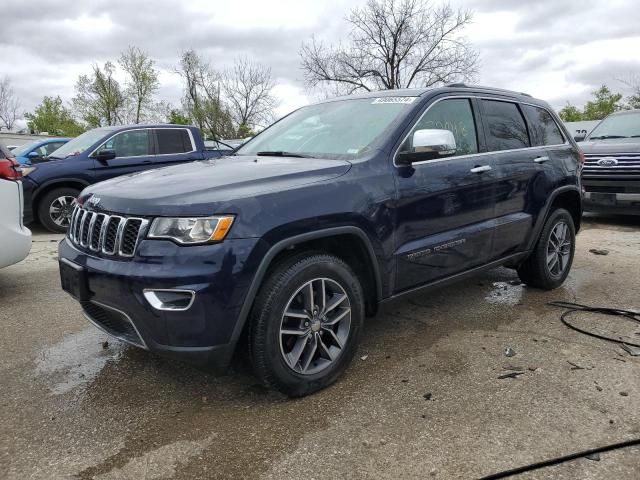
x=617 y=203
x=219 y=275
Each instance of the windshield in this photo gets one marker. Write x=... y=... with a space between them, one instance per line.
x=80 y=143
x=341 y=129
x=618 y=126
x=22 y=150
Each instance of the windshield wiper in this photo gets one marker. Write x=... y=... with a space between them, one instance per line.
x=280 y=153
x=606 y=137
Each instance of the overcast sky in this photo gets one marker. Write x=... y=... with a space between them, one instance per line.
x=557 y=50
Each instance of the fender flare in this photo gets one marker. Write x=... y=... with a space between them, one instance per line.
x=282 y=245
x=542 y=218
x=44 y=186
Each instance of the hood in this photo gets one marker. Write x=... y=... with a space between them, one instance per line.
x=208 y=187
x=612 y=145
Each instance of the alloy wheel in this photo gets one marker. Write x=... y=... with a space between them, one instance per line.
x=558 y=249
x=60 y=210
x=315 y=326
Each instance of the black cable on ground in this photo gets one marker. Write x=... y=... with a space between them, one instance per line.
x=576 y=307
x=559 y=460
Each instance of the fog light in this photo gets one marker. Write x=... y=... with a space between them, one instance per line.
x=170 y=299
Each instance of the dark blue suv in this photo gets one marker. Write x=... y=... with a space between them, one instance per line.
x=285 y=246
x=51 y=187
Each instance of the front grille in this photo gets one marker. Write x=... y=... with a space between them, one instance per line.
x=111 y=235
x=113 y=322
x=627 y=167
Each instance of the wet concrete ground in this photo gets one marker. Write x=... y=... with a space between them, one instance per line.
x=423 y=398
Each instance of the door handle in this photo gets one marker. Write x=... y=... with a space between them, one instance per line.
x=480 y=169
x=541 y=159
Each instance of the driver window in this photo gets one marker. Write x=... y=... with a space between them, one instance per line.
x=455 y=115
x=133 y=143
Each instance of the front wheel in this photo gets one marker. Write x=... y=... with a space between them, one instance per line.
x=305 y=324
x=55 y=208
x=551 y=260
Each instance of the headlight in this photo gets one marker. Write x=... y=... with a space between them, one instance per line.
x=191 y=230
x=27 y=170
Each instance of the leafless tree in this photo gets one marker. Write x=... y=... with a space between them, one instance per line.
x=632 y=82
x=248 y=89
x=142 y=82
x=394 y=44
x=9 y=104
x=202 y=96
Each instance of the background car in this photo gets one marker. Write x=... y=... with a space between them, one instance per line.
x=611 y=173
x=15 y=238
x=50 y=188
x=37 y=151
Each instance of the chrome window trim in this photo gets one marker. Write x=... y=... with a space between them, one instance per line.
x=479 y=154
x=193 y=143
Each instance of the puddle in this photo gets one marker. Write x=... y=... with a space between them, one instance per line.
x=161 y=462
x=505 y=293
x=76 y=360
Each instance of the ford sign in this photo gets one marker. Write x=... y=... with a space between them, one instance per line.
x=607 y=162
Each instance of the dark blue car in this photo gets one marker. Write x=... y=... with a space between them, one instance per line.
x=285 y=246
x=51 y=187
x=38 y=150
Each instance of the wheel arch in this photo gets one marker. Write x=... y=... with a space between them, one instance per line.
x=45 y=188
x=363 y=261
x=567 y=197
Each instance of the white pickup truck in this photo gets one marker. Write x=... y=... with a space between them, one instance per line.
x=15 y=238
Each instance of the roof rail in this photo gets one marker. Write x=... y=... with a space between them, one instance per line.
x=464 y=85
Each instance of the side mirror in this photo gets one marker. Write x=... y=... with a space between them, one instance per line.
x=105 y=154
x=429 y=144
x=579 y=137
x=33 y=155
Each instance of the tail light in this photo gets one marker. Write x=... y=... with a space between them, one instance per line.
x=10 y=169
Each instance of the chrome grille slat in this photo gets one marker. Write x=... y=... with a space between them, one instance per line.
x=109 y=235
x=627 y=166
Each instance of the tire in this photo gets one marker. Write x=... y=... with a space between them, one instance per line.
x=540 y=270
x=273 y=353
x=48 y=203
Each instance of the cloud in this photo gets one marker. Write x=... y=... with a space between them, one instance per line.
x=553 y=49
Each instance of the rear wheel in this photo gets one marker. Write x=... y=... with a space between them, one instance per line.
x=55 y=207
x=305 y=324
x=551 y=260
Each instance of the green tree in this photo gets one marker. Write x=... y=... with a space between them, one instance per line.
x=604 y=103
x=142 y=83
x=53 y=117
x=99 y=98
x=570 y=113
x=176 y=117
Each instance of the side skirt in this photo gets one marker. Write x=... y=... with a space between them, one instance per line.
x=443 y=282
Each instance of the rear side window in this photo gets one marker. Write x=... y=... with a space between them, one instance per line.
x=544 y=130
x=455 y=115
x=506 y=127
x=173 y=140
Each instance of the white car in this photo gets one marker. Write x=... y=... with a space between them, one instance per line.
x=15 y=238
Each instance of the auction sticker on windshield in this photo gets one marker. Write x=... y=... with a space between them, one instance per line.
x=394 y=100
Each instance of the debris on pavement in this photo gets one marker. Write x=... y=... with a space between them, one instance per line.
x=624 y=394
x=514 y=368
x=364 y=357
x=105 y=345
x=633 y=351
x=510 y=375
x=427 y=396
x=575 y=366
x=599 y=251
x=509 y=352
